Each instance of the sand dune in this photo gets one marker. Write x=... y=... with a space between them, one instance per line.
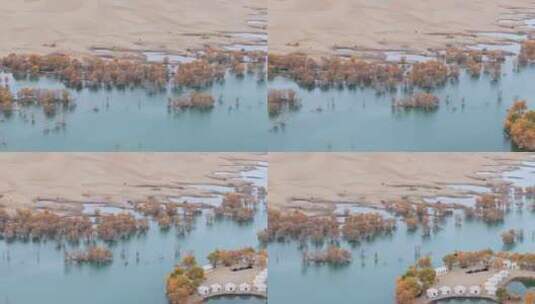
x=318 y=25
x=372 y=177
x=106 y=176
x=76 y=25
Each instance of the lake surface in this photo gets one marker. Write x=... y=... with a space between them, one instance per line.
x=134 y=120
x=361 y=120
x=368 y=281
x=36 y=272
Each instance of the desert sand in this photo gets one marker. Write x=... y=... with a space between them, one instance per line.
x=316 y=26
x=371 y=177
x=74 y=26
x=111 y=177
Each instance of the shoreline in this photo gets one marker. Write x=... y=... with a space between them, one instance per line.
x=417 y=32
x=386 y=183
x=76 y=26
x=83 y=176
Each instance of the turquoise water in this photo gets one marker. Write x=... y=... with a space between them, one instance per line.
x=368 y=281
x=135 y=120
x=33 y=272
x=361 y=120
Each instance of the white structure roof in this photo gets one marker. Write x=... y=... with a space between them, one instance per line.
x=216 y=287
x=261 y=287
x=230 y=286
x=475 y=289
x=441 y=270
x=203 y=290
x=459 y=289
x=432 y=292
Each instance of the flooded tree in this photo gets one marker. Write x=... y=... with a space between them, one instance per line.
x=245 y=256
x=97 y=255
x=194 y=100
x=366 y=226
x=429 y=74
x=240 y=207
x=88 y=71
x=280 y=100
x=421 y=100
x=6 y=99
x=298 y=226
x=199 y=73
x=332 y=255
x=184 y=280
x=520 y=125
x=49 y=100
x=114 y=227
x=527 y=52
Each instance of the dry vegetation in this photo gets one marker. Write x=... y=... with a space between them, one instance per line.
x=245 y=257
x=199 y=73
x=298 y=226
x=49 y=100
x=334 y=72
x=281 y=100
x=511 y=236
x=415 y=215
x=183 y=282
x=424 y=101
x=97 y=255
x=520 y=125
x=89 y=71
x=194 y=100
x=6 y=99
x=240 y=207
x=332 y=255
x=114 y=227
x=26 y=225
x=417 y=279
x=366 y=226
x=527 y=52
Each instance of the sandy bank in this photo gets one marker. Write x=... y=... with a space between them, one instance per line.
x=45 y=26
x=115 y=177
x=316 y=26
x=372 y=177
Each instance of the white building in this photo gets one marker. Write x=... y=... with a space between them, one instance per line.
x=261 y=287
x=432 y=293
x=244 y=287
x=445 y=291
x=491 y=290
x=203 y=290
x=441 y=270
x=475 y=290
x=215 y=288
x=207 y=268
x=459 y=290
x=510 y=265
x=230 y=287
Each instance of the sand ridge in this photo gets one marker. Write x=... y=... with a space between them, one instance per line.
x=74 y=26
x=373 y=177
x=113 y=177
x=316 y=26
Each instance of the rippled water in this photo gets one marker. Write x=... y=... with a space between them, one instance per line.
x=368 y=281
x=360 y=120
x=40 y=267
x=134 y=120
